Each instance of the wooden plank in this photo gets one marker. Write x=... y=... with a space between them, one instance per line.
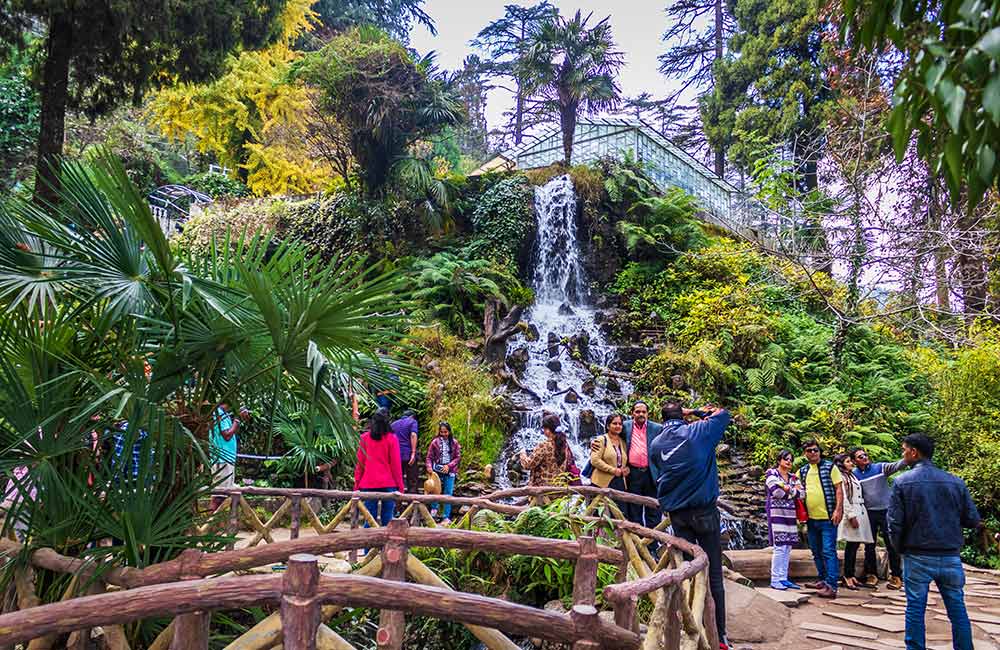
x=864 y=644
x=885 y=622
x=787 y=598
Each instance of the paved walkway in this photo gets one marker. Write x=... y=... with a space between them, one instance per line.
x=886 y=608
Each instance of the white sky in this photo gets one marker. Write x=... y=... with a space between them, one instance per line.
x=638 y=26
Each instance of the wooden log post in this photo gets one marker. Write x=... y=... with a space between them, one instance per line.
x=587 y=625
x=296 y=516
x=353 y=556
x=300 y=609
x=585 y=573
x=625 y=610
x=234 y=519
x=392 y=623
x=191 y=630
x=708 y=618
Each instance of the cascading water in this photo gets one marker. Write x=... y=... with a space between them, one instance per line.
x=563 y=321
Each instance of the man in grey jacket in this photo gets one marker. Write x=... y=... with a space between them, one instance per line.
x=874 y=479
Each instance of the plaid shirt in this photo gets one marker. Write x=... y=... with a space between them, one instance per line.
x=136 y=448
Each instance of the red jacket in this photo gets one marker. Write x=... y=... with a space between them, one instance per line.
x=378 y=464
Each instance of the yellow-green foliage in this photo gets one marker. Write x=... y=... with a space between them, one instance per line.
x=588 y=181
x=460 y=393
x=967 y=412
x=252 y=117
x=236 y=218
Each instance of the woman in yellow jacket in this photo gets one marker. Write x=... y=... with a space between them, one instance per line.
x=609 y=457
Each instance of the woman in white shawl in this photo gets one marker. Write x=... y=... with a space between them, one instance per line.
x=854 y=527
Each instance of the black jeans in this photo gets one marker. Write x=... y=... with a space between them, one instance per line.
x=851 y=558
x=878 y=521
x=618 y=483
x=703 y=526
x=640 y=481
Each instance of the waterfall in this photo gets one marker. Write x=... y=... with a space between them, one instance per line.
x=561 y=313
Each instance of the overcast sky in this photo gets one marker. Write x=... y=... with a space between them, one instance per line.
x=638 y=26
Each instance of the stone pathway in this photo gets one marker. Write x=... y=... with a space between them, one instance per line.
x=865 y=619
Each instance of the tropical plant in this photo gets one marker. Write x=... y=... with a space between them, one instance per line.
x=455 y=289
x=664 y=224
x=105 y=329
x=573 y=67
x=386 y=101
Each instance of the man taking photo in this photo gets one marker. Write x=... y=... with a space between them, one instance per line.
x=687 y=487
x=874 y=479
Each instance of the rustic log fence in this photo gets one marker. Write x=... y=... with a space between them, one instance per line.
x=389 y=578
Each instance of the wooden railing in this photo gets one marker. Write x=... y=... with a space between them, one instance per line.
x=683 y=610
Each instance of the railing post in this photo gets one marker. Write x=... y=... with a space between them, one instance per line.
x=585 y=573
x=708 y=619
x=625 y=613
x=191 y=630
x=234 y=518
x=392 y=623
x=300 y=610
x=353 y=556
x=585 y=624
x=296 y=516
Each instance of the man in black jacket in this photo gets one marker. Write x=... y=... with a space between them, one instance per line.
x=927 y=511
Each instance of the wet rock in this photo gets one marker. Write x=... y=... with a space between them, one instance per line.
x=571 y=397
x=565 y=310
x=554 y=365
x=552 y=385
x=588 y=387
x=613 y=385
x=518 y=359
x=755 y=471
x=722 y=450
x=588 y=423
x=553 y=342
x=581 y=346
x=628 y=355
x=532 y=333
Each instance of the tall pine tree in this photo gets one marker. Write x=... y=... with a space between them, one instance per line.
x=506 y=41
x=98 y=54
x=772 y=84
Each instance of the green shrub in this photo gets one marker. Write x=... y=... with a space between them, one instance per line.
x=216 y=185
x=503 y=218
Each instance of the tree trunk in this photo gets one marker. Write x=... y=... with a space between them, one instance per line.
x=518 y=114
x=567 y=120
x=971 y=263
x=720 y=154
x=941 y=288
x=53 y=96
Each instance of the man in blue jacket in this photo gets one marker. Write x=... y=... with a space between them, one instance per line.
x=683 y=457
x=927 y=510
x=639 y=435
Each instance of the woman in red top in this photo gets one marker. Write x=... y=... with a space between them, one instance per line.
x=378 y=468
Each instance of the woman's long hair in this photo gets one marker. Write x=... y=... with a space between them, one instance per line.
x=551 y=422
x=849 y=481
x=451 y=436
x=379 y=424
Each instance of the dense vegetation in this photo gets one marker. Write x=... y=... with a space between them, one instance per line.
x=349 y=251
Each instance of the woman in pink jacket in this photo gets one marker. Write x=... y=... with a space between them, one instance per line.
x=378 y=468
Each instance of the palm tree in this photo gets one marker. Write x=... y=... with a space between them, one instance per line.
x=575 y=66
x=104 y=327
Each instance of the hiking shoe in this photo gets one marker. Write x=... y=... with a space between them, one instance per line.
x=790 y=585
x=826 y=592
x=871 y=580
x=819 y=584
x=780 y=586
x=895 y=583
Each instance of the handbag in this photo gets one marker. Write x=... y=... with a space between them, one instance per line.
x=801 y=515
x=588 y=469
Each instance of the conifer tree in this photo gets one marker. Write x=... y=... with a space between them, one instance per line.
x=98 y=54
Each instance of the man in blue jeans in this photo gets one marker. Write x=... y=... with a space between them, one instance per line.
x=825 y=506
x=927 y=510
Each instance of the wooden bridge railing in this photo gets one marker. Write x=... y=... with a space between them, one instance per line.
x=683 y=611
